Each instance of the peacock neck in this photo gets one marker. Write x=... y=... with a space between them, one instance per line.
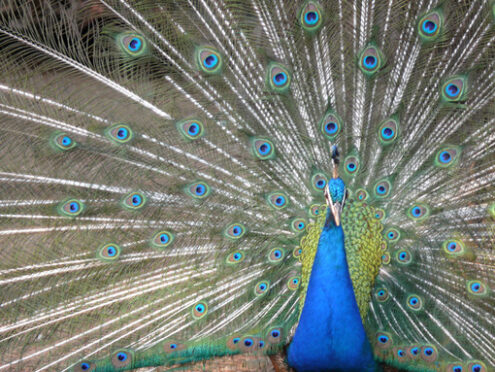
x=330 y=335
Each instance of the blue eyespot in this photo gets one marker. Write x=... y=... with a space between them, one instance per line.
x=401 y=353
x=381 y=189
x=416 y=211
x=200 y=308
x=429 y=27
x=74 y=207
x=383 y=339
x=413 y=301
x=452 y=246
x=236 y=340
x=295 y=281
x=414 y=351
x=66 y=141
x=300 y=225
x=261 y=343
x=248 y=342
x=193 y=129
x=370 y=62
x=387 y=133
x=122 y=356
x=200 y=190
x=275 y=333
x=262 y=286
x=237 y=256
x=164 y=238
x=320 y=184
x=136 y=200
x=428 y=351
x=476 y=368
x=445 y=157
x=331 y=128
x=277 y=253
x=210 y=61
x=84 y=366
x=173 y=346
x=111 y=251
x=236 y=231
x=457 y=368
x=265 y=148
x=452 y=90
x=279 y=201
x=280 y=78
x=351 y=167
x=135 y=44
x=122 y=133
x=311 y=18
x=475 y=287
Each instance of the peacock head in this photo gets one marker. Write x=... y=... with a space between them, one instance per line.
x=335 y=192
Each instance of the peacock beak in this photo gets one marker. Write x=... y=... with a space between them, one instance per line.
x=335 y=208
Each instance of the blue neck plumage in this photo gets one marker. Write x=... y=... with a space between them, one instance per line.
x=330 y=335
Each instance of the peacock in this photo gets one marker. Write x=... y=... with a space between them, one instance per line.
x=308 y=180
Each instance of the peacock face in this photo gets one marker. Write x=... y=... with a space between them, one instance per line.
x=335 y=196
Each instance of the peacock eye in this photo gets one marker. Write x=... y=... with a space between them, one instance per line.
x=263 y=148
x=403 y=256
x=209 y=60
x=235 y=258
x=191 y=129
x=311 y=17
x=62 y=141
x=370 y=60
x=198 y=190
x=261 y=288
x=199 y=310
x=381 y=295
x=71 y=208
x=447 y=156
x=379 y=213
x=388 y=131
x=85 y=366
x=351 y=165
x=361 y=195
x=293 y=283
x=384 y=340
x=476 y=366
x=109 y=252
x=331 y=125
x=314 y=210
x=429 y=353
x=278 y=78
x=119 y=133
x=477 y=288
x=382 y=189
x=298 y=225
x=319 y=181
x=276 y=255
x=122 y=359
x=454 y=89
x=429 y=26
x=162 y=239
x=392 y=234
x=418 y=212
x=277 y=200
x=132 y=44
x=235 y=231
x=386 y=258
x=414 y=302
x=134 y=200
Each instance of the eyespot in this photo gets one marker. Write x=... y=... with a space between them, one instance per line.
x=361 y=195
x=392 y=235
x=311 y=17
x=447 y=156
x=382 y=189
x=119 y=133
x=401 y=354
x=71 y=208
x=331 y=125
x=379 y=214
x=250 y=343
x=134 y=201
x=351 y=165
x=234 y=258
x=170 y=347
x=263 y=148
x=62 y=141
x=293 y=283
x=381 y=294
x=162 y=239
x=108 y=252
x=454 y=89
x=278 y=200
x=454 y=247
x=276 y=255
x=274 y=335
x=370 y=60
x=278 y=78
x=132 y=44
x=235 y=231
x=384 y=340
x=429 y=353
x=429 y=26
x=198 y=190
x=84 y=366
x=476 y=366
x=477 y=288
x=418 y=212
x=191 y=129
x=233 y=342
x=122 y=358
x=454 y=367
x=386 y=258
x=262 y=288
x=403 y=256
x=297 y=252
x=314 y=210
x=199 y=310
x=388 y=131
x=413 y=351
x=298 y=225
x=414 y=302
x=209 y=60
x=319 y=181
